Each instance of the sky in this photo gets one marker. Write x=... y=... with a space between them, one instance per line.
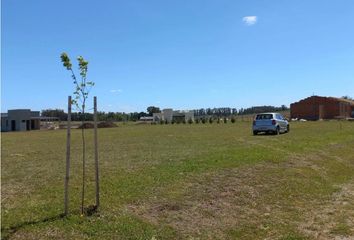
x=181 y=54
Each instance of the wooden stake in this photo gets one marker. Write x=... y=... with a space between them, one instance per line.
x=68 y=138
x=96 y=152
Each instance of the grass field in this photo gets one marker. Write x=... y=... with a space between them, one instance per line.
x=185 y=182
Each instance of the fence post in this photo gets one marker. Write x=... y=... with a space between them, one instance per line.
x=67 y=174
x=96 y=152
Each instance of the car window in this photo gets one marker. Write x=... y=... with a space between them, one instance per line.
x=264 y=116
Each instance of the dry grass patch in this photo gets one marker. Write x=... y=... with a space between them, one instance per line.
x=295 y=199
x=334 y=219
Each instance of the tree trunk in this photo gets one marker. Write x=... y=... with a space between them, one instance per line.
x=83 y=158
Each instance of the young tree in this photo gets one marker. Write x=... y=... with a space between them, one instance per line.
x=82 y=90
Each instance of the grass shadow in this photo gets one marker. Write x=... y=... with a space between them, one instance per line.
x=8 y=232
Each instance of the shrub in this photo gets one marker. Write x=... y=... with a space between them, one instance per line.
x=162 y=122
x=197 y=121
x=173 y=122
x=203 y=120
x=233 y=120
x=184 y=121
x=190 y=121
x=166 y=122
x=218 y=121
x=225 y=120
x=210 y=120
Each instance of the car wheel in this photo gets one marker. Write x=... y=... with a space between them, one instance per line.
x=255 y=132
x=277 y=131
x=287 y=128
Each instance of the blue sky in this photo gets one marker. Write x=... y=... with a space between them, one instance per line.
x=183 y=54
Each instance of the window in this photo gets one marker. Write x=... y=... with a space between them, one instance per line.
x=23 y=121
x=264 y=116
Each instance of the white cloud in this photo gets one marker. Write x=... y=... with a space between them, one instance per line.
x=249 y=20
x=116 y=90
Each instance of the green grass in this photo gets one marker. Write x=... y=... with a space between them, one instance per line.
x=342 y=229
x=182 y=181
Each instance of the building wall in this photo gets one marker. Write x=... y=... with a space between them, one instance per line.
x=165 y=114
x=157 y=117
x=4 y=126
x=35 y=124
x=315 y=107
x=189 y=115
x=169 y=115
x=35 y=113
x=21 y=119
x=20 y=116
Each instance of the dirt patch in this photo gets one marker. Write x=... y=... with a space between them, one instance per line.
x=86 y=125
x=229 y=199
x=99 y=125
x=106 y=125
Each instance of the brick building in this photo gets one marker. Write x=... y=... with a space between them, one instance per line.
x=317 y=107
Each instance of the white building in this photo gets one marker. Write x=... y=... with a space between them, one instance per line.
x=146 y=119
x=177 y=116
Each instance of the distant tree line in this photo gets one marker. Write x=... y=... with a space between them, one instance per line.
x=134 y=116
x=226 y=112
x=102 y=116
x=260 y=109
x=217 y=112
x=59 y=113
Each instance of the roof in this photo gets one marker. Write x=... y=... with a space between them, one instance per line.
x=267 y=113
x=343 y=100
x=19 y=109
x=146 y=118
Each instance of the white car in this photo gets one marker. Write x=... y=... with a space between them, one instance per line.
x=270 y=123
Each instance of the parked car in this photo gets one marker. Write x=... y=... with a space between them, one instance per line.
x=270 y=123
